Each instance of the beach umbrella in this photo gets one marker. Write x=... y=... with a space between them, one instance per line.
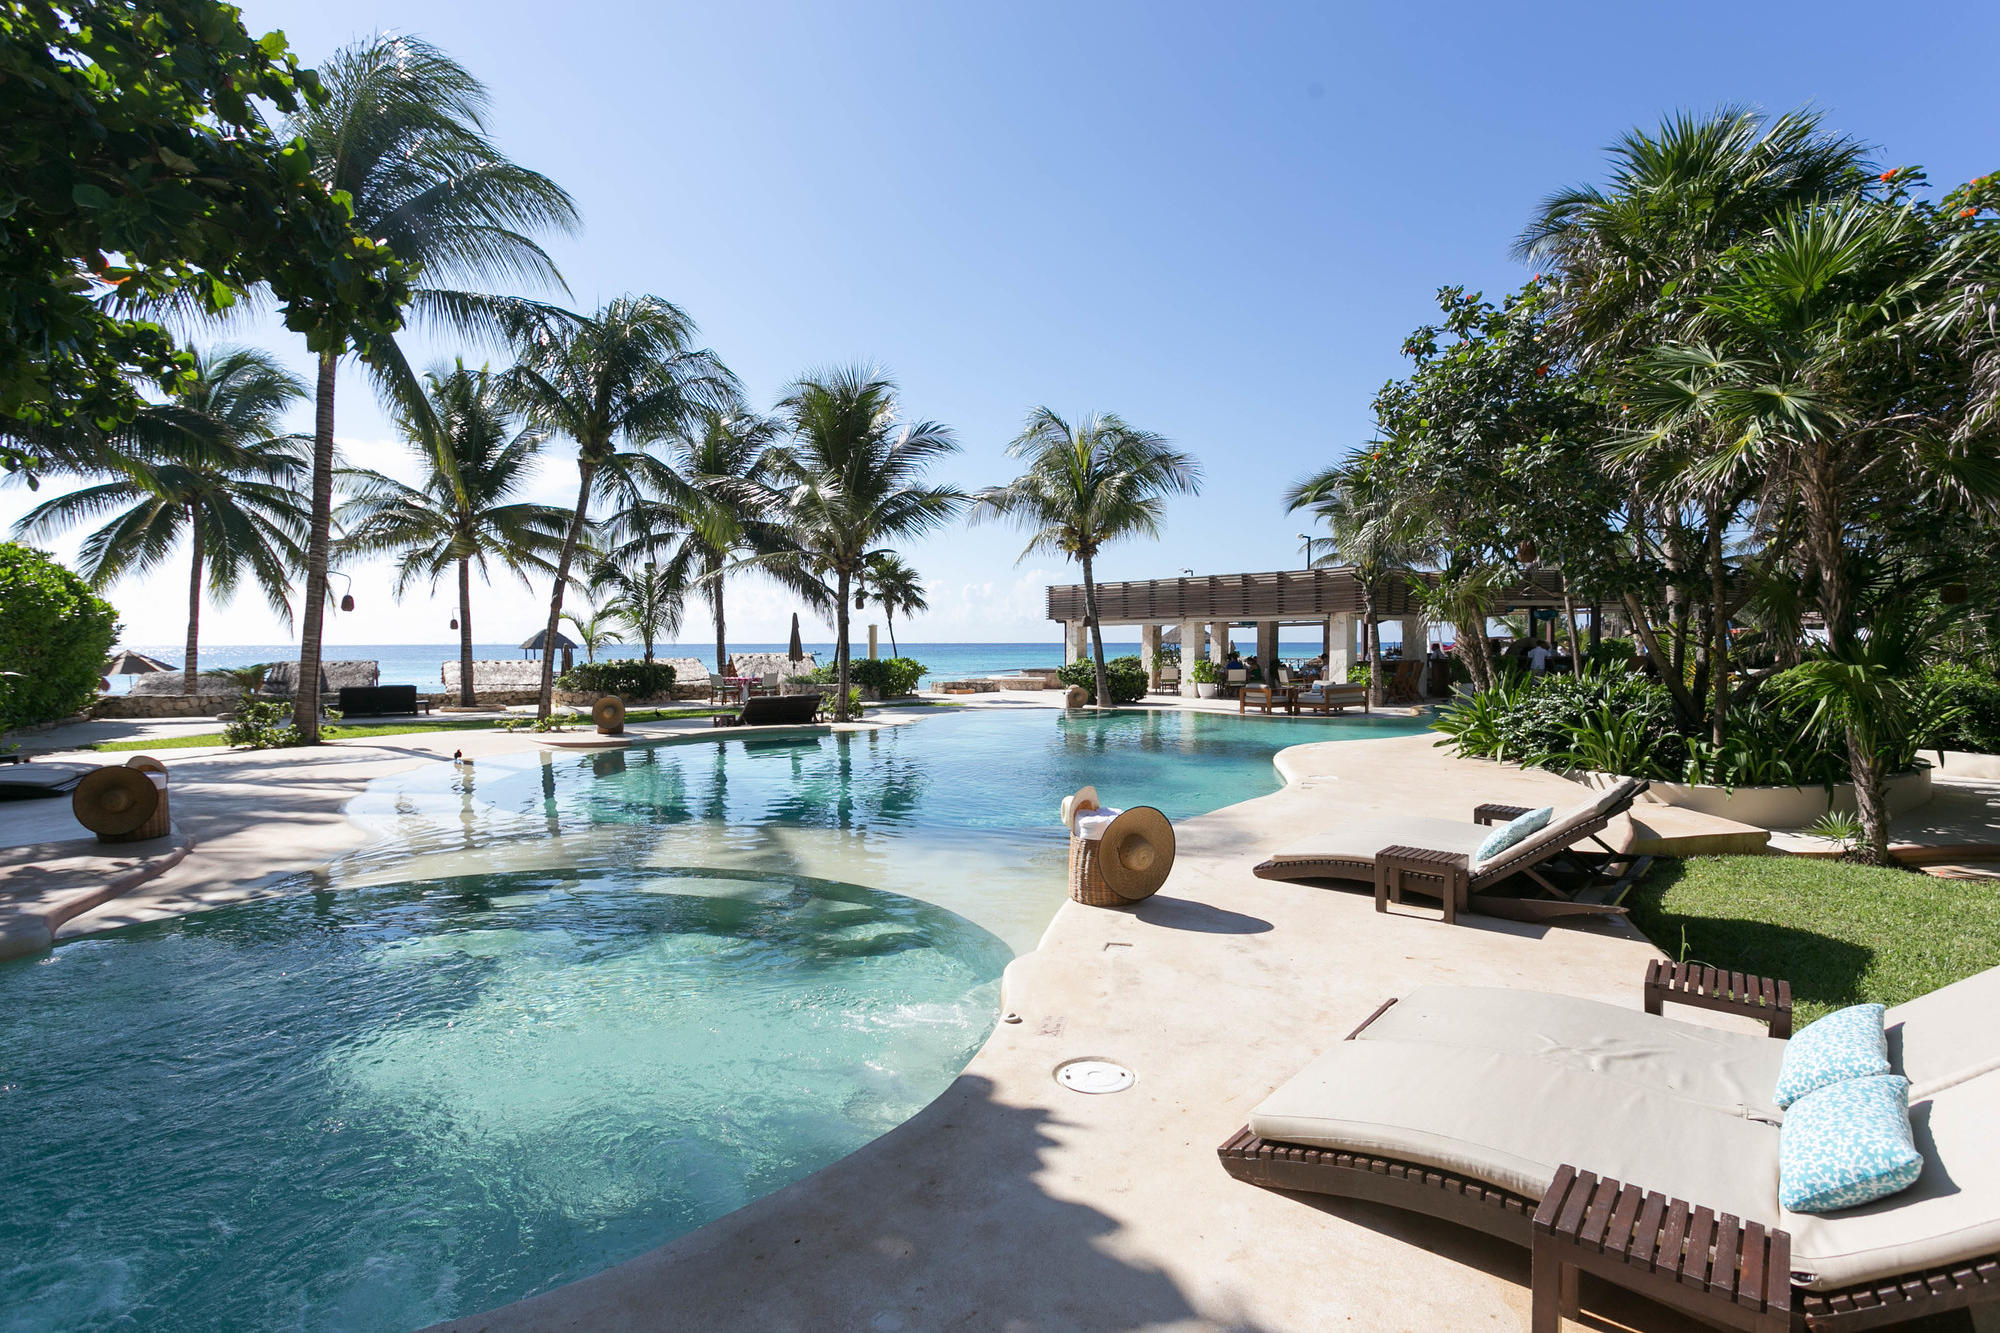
x=129 y=663
x=798 y=647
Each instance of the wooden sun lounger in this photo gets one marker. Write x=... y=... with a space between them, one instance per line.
x=774 y=710
x=1716 y=1268
x=1565 y=880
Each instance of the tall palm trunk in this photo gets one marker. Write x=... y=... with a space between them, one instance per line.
x=466 y=697
x=1569 y=622
x=1096 y=632
x=840 y=648
x=305 y=699
x=889 y=619
x=1374 y=644
x=586 y=472
x=714 y=572
x=1718 y=620
x=190 y=665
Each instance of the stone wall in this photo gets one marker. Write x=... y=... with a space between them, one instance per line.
x=207 y=704
x=522 y=674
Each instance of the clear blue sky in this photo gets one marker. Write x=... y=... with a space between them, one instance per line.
x=1218 y=221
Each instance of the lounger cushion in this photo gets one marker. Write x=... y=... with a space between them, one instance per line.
x=1511 y=1119
x=1947 y=1036
x=1361 y=838
x=1732 y=1072
x=1846 y=1044
x=1847 y=1144
x=1514 y=831
x=1952 y=1213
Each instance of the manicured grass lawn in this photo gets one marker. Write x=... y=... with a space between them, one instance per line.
x=346 y=731
x=1841 y=934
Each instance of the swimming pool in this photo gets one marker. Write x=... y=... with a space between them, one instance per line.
x=585 y=1004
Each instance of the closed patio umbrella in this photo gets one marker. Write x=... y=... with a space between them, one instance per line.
x=798 y=650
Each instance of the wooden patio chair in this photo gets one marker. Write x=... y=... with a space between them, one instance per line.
x=1396 y=853
x=1643 y=1150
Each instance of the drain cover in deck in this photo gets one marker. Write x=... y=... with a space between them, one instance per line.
x=1094 y=1076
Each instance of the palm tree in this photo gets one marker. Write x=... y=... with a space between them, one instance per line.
x=1087 y=485
x=1367 y=533
x=700 y=508
x=401 y=133
x=593 y=631
x=895 y=587
x=629 y=374
x=209 y=465
x=646 y=600
x=849 y=481
x=463 y=512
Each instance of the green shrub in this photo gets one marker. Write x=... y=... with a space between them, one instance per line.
x=891 y=677
x=261 y=726
x=1125 y=675
x=1977 y=695
x=628 y=677
x=1203 y=672
x=55 y=633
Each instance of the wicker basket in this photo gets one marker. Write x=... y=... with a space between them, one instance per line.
x=155 y=827
x=1086 y=877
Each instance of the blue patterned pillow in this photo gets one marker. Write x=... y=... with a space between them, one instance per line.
x=1847 y=1043
x=1513 y=831
x=1847 y=1144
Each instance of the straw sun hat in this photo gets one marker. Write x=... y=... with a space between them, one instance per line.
x=114 y=801
x=1136 y=853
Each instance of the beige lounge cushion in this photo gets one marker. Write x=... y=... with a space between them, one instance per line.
x=1511 y=1120
x=1361 y=838
x=1952 y=1212
x=1947 y=1036
x=1733 y=1072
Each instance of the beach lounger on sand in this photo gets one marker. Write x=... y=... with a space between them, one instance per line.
x=774 y=710
x=1644 y=1150
x=1436 y=856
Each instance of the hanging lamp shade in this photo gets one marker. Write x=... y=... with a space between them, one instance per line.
x=347 y=602
x=454 y=622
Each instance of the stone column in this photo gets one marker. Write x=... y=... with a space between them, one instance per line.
x=1190 y=653
x=1420 y=635
x=1340 y=645
x=1218 y=642
x=1267 y=648
x=873 y=651
x=1076 y=640
x=1149 y=647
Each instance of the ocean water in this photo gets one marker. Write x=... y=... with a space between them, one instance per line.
x=421 y=664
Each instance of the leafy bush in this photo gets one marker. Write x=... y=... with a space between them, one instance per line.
x=1203 y=672
x=1977 y=693
x=262 y=726
x=55 y=632
x=891 y=677
x=1125 y=675
x=628 y=677
x=1618 y=723
x=1611 y=654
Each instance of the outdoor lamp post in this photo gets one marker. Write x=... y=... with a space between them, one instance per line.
x=1306 y=537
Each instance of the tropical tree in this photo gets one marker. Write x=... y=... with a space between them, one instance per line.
x=401 y=133
x=464 y=513
x=645 y=599
x=893 y=586
x=1088 y=485
x=593 y=630
x=700 y=505
x=849 y=480
x=1368 y=532
x=628 y=375
x=211 y=466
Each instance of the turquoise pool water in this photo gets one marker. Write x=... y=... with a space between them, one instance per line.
x=592 y=1003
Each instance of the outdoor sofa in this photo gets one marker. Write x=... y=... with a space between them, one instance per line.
x=774 y=710
x=1437 y=856
x=1644 y=1150
x=380 y=701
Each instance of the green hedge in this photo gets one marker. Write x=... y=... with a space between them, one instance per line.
x=1125 y=675
x=629 y=677
x=54 y=632
x=1978 y=693
x=891 y=677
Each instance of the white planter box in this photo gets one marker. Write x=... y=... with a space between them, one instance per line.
x=1207 y=690
x=1776 y=807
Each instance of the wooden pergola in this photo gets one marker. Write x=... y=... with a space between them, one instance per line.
x=1213 y=603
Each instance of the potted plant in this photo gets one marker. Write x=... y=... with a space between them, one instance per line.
x=1207 y=679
